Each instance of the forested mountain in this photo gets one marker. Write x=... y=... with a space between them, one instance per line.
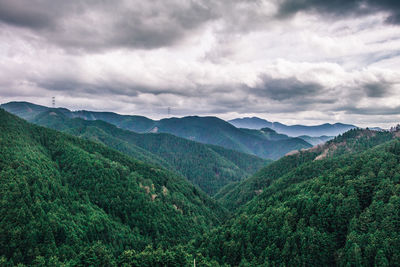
x=208 y=130
x=212 y=130
x=353 y=141
x=251 y=123
x=339 y=209
x=28 y=111
x=209 y=167
x=69 y=201
x=65 y=199
x=293 y=130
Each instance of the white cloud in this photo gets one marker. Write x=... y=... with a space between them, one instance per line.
x=215 y=67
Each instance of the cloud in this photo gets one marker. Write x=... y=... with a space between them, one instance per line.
x=377 y=89
x=342 y=8
x=286 y=89
x=280 y=59
x=97 y=25
x=376 y=110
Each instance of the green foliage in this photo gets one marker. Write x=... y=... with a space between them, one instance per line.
x=211 y=130
x=97 y=255
x=156 y=257
x=235 y=195
x=209 y=167
x=61 y=195
x=67 y=201
x=342 y=210
x=351 y=142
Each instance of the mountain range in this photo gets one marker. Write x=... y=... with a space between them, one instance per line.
x=326 y=129
x=207 y=130
x=69 y=201
x=207 y=166
x=336 y=204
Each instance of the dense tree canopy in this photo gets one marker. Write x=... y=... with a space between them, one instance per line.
x=207 y=166
x=64 y=198
x=67 y=201
x=342 y=210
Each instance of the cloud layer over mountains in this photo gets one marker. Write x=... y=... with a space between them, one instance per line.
x=293 y=61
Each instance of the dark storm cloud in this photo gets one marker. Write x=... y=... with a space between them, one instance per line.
x=73 y=86
x=341 y=8
x=377 y=89
x=92 y=26
x=286 y=89
x=34 y=14
x=378 y=110
x=122 y=88
x=95 y=25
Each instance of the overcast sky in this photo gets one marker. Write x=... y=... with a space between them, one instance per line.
x=293 y=61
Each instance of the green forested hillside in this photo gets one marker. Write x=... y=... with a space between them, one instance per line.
x=338 y=210
x=66 y=199
x=235 y=195
x=211 y=130
x=351 y=142
x=207 y=130
x=209 y=167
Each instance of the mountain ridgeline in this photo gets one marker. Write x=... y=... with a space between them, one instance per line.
x=68 y=201
x=334 y=205
x=207 y=166
x=293 y=130
x=64 y=199
x=351 y=142
x=207 y=130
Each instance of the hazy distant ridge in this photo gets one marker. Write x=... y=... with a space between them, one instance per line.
x=293 y=130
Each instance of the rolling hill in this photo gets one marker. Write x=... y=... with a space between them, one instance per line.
x=209 y=167
x=352 y=142
x=66 y=200
x=69 y=201
x=336 y=205
x=207 y=130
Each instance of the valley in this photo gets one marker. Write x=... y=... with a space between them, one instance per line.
x=105 y=195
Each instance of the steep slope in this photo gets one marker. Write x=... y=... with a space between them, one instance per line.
x=207 y=130
x=61 y=196
x=353 y=141
x=138 y=124
x=293 y=130
x=341 y=210
x=24 y=110
x=266 y=133
x=212 y=130
x=209 y=167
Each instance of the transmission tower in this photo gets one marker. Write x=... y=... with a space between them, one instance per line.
x=53 y=101
x=169 y=111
